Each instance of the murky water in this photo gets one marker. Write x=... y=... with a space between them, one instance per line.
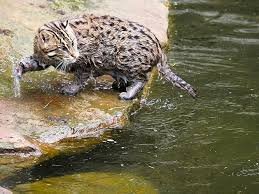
x=181 y=145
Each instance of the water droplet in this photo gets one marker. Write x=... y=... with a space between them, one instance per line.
x=17 y=87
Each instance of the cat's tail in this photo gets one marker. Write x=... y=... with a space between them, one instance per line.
x=165 y=70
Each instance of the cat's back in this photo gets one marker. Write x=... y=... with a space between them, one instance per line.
x=110 y=31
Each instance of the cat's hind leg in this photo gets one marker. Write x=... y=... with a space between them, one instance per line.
x=120 y=85
x=132 y=90
x=71 y=89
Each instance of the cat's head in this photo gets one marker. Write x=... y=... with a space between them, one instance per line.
x=56 y=43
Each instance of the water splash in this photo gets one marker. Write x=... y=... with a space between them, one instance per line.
x=16 y=82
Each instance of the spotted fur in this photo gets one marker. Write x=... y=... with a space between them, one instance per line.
x=90 y=45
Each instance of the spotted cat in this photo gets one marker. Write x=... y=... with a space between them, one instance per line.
x=92 y=46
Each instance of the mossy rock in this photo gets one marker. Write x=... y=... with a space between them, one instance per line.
x=43 y=123
x=92 y=183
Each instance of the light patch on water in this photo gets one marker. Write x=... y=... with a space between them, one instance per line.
x=242 y=41
x=233 y=19
x=16 y=83
x=201 y=13
x=17 y=87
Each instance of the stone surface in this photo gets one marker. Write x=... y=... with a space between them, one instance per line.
x=94 y=182
x=151 y=13
x=11 y=141
x=42 y=121
x=5 y=191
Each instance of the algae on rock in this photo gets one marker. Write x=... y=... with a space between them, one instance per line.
x=43 y=118
x=93 y=182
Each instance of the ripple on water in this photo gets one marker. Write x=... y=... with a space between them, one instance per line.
x=250 y=30
x=201 y=13
x=239 y=41
x=233 y=19
x=248 y=113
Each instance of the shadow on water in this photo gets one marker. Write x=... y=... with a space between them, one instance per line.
x=178 y=144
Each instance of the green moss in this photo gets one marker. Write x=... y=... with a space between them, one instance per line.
x=94 y=182
x=70 y=4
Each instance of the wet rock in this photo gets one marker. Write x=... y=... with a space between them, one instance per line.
x=42 y=6
x=152 y=14
x=42 y=121
x=61 y=12
x=5 y=191
x=15 y=143
x=11 y=141
x=97 y=183
x=6 y=32
x=87 y=115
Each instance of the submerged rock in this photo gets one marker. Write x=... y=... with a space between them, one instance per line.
x=42 y=121
x=93 y=182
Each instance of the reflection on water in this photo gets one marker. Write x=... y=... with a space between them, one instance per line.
x=181 y=145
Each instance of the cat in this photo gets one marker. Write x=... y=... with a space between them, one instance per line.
x=92 y=46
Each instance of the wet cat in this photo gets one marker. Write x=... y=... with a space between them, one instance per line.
x=92 y=46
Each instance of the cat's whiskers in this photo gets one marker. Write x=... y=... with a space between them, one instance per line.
x=60 y=64
x=64 y=66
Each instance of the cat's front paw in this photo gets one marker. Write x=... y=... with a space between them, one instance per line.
x=18 y=71
x=124 y=96
x=70 y=90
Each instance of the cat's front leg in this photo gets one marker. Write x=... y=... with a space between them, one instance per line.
x=71 y=89
x=28 y=64
x=77 y=85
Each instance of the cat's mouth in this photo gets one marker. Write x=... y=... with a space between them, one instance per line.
x=73 y=60
x=74 y=57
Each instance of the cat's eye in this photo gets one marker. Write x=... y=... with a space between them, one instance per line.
x=73 y=43
x=63 y=48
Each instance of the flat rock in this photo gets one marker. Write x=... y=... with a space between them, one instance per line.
x=5 y=191
x=42 y=121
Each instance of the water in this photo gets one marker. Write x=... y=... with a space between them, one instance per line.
x=16 y=86
x=181 y=145
x=17 y=76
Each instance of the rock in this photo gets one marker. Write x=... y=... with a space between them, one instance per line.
x=11 y=141
x=61 y=12
x=152 y=14
x=42 y=121
x=92 y=182
x=6 y=32
x=5 y=191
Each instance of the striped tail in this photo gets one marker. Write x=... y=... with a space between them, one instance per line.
x=169 y=75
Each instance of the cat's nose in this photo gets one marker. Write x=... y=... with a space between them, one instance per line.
x=75 y=55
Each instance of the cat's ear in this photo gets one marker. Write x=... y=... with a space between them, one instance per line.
x=45 y=36
x=64 y=24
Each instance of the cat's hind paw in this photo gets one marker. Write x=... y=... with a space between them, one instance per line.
x=71 y=89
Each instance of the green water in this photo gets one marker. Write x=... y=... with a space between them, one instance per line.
x=181 y=145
